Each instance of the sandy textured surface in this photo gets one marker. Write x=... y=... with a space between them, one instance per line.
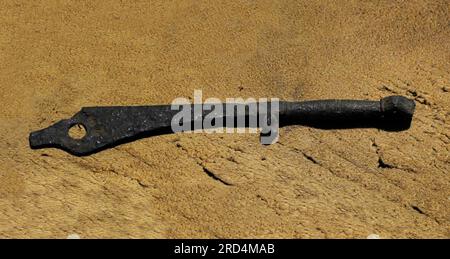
x=58 y=56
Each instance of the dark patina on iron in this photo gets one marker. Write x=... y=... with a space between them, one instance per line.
x=110 y=126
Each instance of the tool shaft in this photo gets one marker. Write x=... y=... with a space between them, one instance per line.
x=332 y=110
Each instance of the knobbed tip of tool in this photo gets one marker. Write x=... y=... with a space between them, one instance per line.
x=397 y=112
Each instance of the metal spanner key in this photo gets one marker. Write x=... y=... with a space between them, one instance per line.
x=110 y=126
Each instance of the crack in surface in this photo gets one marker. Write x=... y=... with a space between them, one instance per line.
x=310 y=158
x=332 y=171
x=92 y=167
x=384 y=165
x=421 y=212
x=381 y=163
x=418 y=210
x=207 y=171
x=138 y=181
x=214 y=176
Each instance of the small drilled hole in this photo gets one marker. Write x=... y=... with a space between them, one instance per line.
x=77 y=131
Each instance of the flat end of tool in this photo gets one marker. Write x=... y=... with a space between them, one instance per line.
x=397 y=112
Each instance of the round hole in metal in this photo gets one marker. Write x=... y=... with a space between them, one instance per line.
x=77 y=131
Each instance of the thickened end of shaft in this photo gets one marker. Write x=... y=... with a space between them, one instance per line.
x=397 y=112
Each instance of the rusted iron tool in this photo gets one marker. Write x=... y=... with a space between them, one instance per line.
x=110 y=126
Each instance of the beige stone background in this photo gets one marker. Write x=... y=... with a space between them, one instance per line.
x=58 y=56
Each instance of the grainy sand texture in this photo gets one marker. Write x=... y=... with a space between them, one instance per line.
x=58 y=56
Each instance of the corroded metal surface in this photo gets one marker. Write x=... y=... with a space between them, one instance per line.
x=110 y=126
